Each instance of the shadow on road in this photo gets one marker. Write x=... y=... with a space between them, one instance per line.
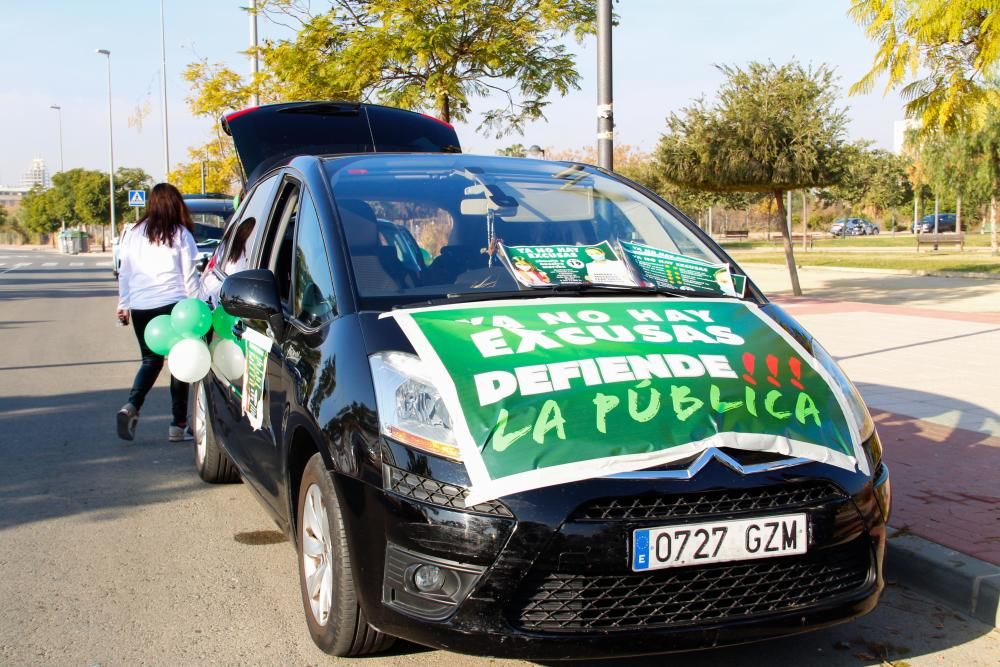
x=61 y=457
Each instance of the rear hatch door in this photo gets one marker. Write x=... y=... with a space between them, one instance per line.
x=265 y=136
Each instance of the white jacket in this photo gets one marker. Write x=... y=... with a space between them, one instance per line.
x=153 y=275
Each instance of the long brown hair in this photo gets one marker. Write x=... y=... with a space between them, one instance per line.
x=165 y=212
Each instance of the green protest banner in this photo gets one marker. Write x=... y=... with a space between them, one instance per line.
x=540 y=392
x=545 y=265
x=661 y=268
x=258 y=346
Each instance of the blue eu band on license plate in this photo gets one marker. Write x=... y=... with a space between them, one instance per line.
x=719 y=541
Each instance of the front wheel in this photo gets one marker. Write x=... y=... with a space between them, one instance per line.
x=326 y=578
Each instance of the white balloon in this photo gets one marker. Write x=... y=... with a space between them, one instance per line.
x=228 y=359
x=189 y=360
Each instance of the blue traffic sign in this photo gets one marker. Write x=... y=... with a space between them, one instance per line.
x=137 y=198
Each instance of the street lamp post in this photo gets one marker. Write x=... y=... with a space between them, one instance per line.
x=605 y=102
x=62 y=165
x=111 y=147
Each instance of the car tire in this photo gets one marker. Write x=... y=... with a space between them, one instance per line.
x=336 y=621
x=212 y=463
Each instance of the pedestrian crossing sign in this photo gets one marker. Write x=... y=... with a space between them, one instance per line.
x=137 y=198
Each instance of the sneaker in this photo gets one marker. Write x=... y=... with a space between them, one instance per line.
x=179 y=433
x=127 y=419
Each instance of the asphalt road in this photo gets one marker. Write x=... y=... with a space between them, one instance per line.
x=115 y=553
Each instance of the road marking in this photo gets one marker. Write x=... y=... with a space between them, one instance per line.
x=48 y=263
x=19 y=265
x=76 y=263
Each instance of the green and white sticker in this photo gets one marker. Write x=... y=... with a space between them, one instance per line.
x=549 y=391
x=258 y=346
x=547 y=265
x=661 y=268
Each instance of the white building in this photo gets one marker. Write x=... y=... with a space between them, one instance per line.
x=899 y=130
x=37 y=174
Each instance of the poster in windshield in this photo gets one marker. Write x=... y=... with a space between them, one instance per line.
x=660 y=268
x=564 y=389
x=550 y=265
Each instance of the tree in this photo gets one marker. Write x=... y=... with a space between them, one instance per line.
x=38 y=212
x=514 y=150
x=772 y=129
x=984 y=146
x=433 y=55
x=872 y=179
x=954 y=43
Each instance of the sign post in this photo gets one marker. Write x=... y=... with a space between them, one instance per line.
x=137 y=200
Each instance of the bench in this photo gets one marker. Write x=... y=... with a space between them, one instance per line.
x=796 y=240
x=940 y=239
x=736 y=234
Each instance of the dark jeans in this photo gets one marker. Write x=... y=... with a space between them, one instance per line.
x=152 y=363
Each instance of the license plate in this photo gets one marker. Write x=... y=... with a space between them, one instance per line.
x=718 y=542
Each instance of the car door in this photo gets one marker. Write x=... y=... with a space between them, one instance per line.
x=256 y=449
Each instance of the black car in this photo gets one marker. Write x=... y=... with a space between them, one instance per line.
x=352 y=442
x=946 y=222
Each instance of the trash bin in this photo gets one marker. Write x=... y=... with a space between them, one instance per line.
x=73 y=242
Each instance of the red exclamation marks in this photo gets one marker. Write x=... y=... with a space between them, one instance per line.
x=772 y=368
x=749 y=362
x=795 y=364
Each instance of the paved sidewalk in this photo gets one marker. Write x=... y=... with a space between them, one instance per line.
x=925 y=353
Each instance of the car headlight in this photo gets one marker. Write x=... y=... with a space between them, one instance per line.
x=410 y=408
x=855 y=403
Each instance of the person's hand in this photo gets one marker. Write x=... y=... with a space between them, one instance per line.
x=123 y=317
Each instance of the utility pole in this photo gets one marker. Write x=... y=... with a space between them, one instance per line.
x=202 y=177
x=111 y=148
x=605 y=97
x=935 y=221
x=163 y=81
x=805 y=223
x=788 y=212
x=254 y=58
x=62 y=165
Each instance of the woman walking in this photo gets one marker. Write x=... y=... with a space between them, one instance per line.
x=158 y=258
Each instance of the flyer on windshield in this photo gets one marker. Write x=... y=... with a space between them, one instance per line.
x=548 y=265
x=660 y=268
x=258 y=346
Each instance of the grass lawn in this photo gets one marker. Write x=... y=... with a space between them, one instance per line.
x=925 y=261
x=883 y=240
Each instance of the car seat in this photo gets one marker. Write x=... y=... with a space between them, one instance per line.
x=376 y=266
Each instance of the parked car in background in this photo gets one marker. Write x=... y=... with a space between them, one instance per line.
x=947 y=222
x=850 y=227
x=362 y=451
x=871 y=229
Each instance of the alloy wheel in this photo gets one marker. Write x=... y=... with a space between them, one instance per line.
x=317 y=554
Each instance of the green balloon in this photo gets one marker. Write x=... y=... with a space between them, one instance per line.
x=192 y=318
x=222 y=323
x=160 y=335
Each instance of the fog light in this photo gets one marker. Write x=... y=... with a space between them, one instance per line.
x=428 y=578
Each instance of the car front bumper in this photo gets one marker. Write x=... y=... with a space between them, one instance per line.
x=553 y=580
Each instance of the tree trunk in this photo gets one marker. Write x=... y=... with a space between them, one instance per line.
x=444 y=108
x=793 y=274
x=958 y=215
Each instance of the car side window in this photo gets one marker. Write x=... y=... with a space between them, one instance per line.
x=245 y=234
x=281 y=237
x=314 y=301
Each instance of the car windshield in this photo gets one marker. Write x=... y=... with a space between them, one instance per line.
x=208 y=228
x=428 y=226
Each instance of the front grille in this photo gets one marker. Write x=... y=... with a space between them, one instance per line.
x=432 y=491
x=708 y=503
x=558 y=602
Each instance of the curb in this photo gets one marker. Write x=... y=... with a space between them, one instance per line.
x=970 y=585
x=975 y=275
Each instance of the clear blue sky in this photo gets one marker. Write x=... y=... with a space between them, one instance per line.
x=664 y=56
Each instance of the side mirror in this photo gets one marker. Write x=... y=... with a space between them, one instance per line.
x=253 y=295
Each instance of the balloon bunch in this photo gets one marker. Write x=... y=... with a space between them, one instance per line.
x=178 y=336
